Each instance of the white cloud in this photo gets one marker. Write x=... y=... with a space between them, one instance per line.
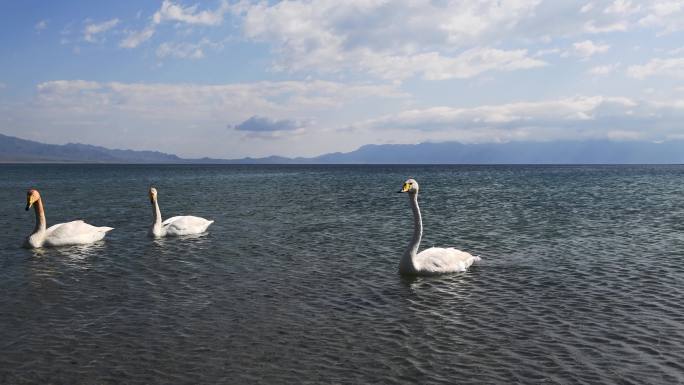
x=181 y=50
x=171 y=12
x=134 y=115
x=520 y=113
x=433 y=39
x=41 y=25
x=389 y=43
x=67 y=86
x=390 y=40
x=623 y=7
x=174 y=12
x=664 y=15
x=588 y=48
x=603 y=69
x=434 y=66
x=464 y=20
x=91 y=30
x=186 y=50
x=548 y=51
x=401 y=40
x=582 y=117
x=671 y=67
x=135 y=38
x=238 y=99
x=591 y=27
x=676 y=51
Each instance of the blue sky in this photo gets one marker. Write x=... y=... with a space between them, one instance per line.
x=247 y=78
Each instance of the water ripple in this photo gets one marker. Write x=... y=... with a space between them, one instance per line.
x=297 y=281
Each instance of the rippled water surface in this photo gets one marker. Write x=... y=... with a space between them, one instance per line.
x=581 y=279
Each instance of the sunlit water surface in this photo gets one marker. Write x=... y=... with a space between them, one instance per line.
x=582 y=277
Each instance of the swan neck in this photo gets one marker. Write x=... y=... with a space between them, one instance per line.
x=417 y=225
x=156 y=213
x=408 y=264
x=40 y=216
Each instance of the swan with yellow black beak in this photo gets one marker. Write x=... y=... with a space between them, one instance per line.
x=435 y=260
x=174 y=226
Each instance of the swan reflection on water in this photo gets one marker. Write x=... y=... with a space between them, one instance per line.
x=196 y=239
x=70 y=253
x=48 y=265
x=452 y=283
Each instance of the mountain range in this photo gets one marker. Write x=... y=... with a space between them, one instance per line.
x=16 y=150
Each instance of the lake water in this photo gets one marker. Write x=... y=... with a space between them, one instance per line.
x=581 y=279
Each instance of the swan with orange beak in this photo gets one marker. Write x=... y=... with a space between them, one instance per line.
x=61 y=234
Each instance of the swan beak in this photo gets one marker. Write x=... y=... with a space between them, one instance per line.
x=405 y=188
x=29 y=202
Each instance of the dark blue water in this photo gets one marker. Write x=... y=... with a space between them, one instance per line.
x=581 y=281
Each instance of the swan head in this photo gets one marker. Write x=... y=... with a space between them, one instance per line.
x=410 y=186
x=32 y=196
x=153 y=194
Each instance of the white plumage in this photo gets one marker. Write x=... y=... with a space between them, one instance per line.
x=175 y=226
x=61 y=234
x=74 y=233
x=435 y=260
x=185 y=225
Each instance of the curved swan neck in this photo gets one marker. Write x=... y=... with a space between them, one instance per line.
x=156 y=213
x=40 y=216
x=417 y=225
x=407 y=263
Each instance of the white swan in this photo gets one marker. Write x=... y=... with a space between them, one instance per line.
x=180 y=225
x=435 y=260
x=62 y=234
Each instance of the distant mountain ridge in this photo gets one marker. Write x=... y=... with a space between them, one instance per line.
x=18 y=150
x=560 y=152
x=14 y=149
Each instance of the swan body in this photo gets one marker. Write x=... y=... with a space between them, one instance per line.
x=61 y=234
x=175 y=226
x=435 y=260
